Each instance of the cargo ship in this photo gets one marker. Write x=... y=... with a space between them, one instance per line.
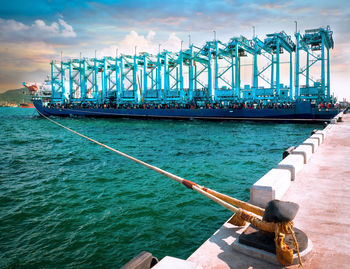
x=198 y=82
x=299 y=111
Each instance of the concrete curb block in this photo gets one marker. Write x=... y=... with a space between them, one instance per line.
x=173 y=263
x=323 y=133
x=328 y=128
x=305 y=151
x=276 y=182
x=312 y=142
x=340 y=117
x=294 y=163
x=273 y=185
x=319 y=138
x=337 y=118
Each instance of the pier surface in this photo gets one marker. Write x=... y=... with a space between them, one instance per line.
x=322 y=189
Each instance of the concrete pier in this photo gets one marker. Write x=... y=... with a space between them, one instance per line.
x=322 y=189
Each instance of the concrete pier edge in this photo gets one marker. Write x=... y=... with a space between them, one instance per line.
x=221 y=250
x=262 y=192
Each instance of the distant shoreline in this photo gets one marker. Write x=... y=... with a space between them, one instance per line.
x=15 y=97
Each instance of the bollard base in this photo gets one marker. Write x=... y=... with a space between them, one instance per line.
x=254 y=243
x=265 y=241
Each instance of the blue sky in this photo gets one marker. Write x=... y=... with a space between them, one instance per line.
x=34 y=32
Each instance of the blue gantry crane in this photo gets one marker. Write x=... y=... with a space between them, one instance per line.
x=208 y=74
x=239 y=47
x=278 y=42
x=314 y=43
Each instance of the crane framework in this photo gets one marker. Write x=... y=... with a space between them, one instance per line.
x=211 y=73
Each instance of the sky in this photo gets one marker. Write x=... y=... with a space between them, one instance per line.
x=32 y=33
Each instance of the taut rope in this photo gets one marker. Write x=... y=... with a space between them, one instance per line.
x=282 y=250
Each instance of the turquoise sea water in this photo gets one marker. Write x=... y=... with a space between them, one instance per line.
x=68 y=203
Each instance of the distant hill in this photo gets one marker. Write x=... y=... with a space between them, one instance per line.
x=17 y=96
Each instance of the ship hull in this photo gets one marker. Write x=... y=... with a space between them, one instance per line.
x=266 y=114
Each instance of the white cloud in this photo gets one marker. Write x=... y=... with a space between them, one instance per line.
x=128 y=44
x=40 y=26
x=67 y=30
x=11 y=30
x=151 y=35
x=26 y=49
x=11 y=25
x=173 y=43
x=143 y=43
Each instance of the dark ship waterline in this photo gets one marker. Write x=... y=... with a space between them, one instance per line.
x=301 y=111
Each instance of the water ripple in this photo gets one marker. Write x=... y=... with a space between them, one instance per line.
x=67 y=203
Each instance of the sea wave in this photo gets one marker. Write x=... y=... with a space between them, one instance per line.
x=66 y=202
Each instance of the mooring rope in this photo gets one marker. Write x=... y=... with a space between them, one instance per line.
x=217 y=197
